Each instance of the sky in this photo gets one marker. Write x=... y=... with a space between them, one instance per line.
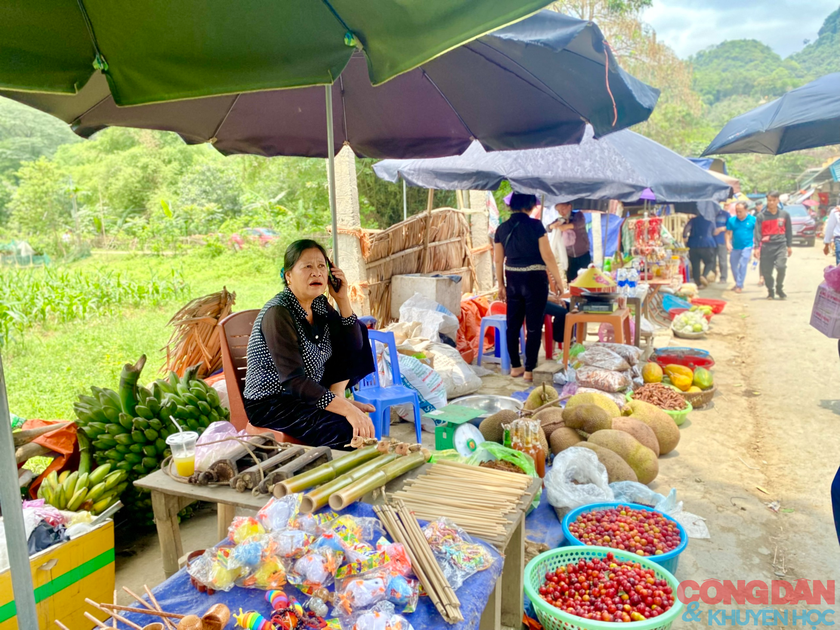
x=688 y=26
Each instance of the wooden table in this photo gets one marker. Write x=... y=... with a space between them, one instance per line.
x=504 y=607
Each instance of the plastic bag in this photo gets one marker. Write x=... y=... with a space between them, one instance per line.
x=456 y=553
x=221 y=389
x=434 y=317
x=364 y=591
x=244 y=527
x=629 y=353
x=514 y=457
x=577 y=478
x=425 y=381
x=832 y=277
x=605 y=380
x=606 y=332
x=207 y=453
x=280 y=513
x=604 y=358
x=45 y=536
x=211 y=570
x=381 y=617
x=458 y=377
x=316 y=569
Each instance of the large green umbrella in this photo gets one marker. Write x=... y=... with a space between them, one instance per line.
x=164 y=50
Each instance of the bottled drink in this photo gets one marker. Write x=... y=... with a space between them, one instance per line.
x=622 y=281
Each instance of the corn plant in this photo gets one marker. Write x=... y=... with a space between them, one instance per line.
x=32 y=297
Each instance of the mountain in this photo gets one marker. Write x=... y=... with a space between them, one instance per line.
x=822 y=56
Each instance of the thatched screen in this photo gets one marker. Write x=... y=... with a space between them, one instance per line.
x=409 y=247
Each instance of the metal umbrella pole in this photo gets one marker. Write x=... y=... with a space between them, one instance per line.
x=16 y=544
x=331 y=172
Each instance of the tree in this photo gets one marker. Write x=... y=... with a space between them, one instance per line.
x=41 y=202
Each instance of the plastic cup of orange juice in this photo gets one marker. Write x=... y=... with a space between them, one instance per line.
x=183 y=451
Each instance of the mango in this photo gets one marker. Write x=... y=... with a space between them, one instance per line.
x=652 y=373
x=639 y=457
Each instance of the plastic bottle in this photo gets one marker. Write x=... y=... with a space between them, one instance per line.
x=632 y=282
x=622 y=281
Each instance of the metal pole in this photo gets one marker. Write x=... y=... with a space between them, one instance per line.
x=405 y=202
x=16 y=545
x=331 y=172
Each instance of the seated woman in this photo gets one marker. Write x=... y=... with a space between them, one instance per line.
x=303 y=354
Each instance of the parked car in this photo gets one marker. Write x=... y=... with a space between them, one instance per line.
x=263 y=236
x=803 y=223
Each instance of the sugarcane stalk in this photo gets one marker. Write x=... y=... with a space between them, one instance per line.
x=357 y=489
x=325 y=472
x=319 y=497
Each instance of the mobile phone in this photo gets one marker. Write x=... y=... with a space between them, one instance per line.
x=335 y=283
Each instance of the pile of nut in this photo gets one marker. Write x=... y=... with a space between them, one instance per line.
x=660 y=395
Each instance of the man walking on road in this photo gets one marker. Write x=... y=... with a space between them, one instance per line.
x=739 y=242
x=774 y=235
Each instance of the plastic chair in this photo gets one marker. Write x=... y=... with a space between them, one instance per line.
x=236 y=330
x=620 y=321
x=501 y=356
x=372 y=392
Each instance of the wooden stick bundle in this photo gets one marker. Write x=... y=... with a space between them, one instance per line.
x=101 y=608
x=403 y=528
x=142 y=611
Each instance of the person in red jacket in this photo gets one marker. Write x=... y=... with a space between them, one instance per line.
x=774 y=237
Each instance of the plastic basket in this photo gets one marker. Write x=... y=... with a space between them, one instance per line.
x=677 y=416
x=555 y=619
x=689 y=357
x=671 y=301
x=717 y=305
x=668 y=561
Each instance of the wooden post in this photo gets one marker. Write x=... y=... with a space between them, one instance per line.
x=166 y=507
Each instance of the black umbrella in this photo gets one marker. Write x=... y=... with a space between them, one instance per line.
x=618 y=166
x=804 y=118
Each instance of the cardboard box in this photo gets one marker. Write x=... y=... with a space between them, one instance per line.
x=825 y=316
x=63 y=576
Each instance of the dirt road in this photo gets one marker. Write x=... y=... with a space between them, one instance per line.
x=771 y=436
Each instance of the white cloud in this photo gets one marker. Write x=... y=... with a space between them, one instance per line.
x=688 y=26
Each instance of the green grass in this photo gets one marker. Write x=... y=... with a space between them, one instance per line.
x=57 y=361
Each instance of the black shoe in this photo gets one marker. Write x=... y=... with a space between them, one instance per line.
x=770 y=296
x=782 y=295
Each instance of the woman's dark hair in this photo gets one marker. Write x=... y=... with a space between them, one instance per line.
x=295 y=250
x=520 y=202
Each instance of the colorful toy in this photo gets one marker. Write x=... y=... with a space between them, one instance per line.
x=253 y=621
x=359 y=593
x=402 y=592
x=316 y=569
x=291 y=543
x=244 y=527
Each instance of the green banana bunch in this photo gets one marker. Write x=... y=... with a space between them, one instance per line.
x=127 y=429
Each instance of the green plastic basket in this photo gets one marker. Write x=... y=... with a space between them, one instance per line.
x=677 y=416
x=555 y=619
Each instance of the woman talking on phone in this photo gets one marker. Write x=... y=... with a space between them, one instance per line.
x=303 y=354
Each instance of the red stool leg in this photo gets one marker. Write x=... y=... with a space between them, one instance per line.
x=548 y=340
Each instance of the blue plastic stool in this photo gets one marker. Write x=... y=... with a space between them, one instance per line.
x=499 y=323
x=370 y=390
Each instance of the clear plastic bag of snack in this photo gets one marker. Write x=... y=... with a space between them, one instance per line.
x=382 y=616
x=629 y=353
x=280 y=513
x=315 y=524
x=390 y=556
x=604 y=358
x=365 y=590
x=356 y=535
x=211 y=569
x=244 y=527
x=268 y=574
x=605 y=380
x=458 y=556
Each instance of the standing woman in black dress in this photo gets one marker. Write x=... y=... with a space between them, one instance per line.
x=303 y=354
x=523 y=255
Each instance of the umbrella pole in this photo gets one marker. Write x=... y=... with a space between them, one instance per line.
x=16 y=544
x=405 y=202
x=331 y=172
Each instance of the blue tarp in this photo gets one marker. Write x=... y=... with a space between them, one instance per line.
x=177 y=594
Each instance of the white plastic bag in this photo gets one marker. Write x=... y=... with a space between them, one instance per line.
x=433 y=317
x=422 y=379
x=221 y=389
x=577 y=478
x=207 y=453
x=458 y=377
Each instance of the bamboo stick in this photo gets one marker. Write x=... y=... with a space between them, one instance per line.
x=95 y=620
x=356 y=490
x=444 y=485
x=478 y=470
x=398 y=535
x=325 y=472
x=60 y=625
x=478 y=473
x=143 y=611
x=480 y=505
x=158 y=607
x=143 y=602
x=466 y=484
x=319 y=497
x=445 y=511
x=113 y=614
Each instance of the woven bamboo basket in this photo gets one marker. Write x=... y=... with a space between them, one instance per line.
x=700 y=399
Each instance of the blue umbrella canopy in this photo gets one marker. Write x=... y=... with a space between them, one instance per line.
x=804 y=118
x=534 y=83
x=619 y=166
